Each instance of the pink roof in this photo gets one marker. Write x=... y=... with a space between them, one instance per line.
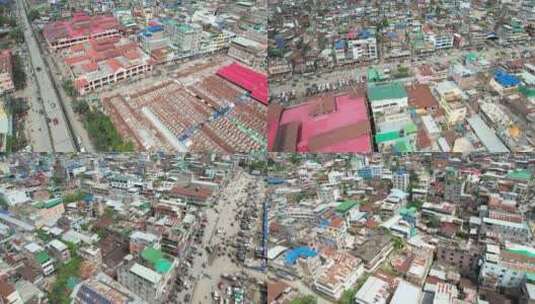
x=349 y=111
x=248 y=79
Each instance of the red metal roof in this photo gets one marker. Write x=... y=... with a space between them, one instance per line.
x=344 y=129
x=114 y=64
x=248 y=79
x=80 y=25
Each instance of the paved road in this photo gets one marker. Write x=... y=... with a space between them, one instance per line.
x=36 y=128
x=62 y=140
x=299 y=82
x=227 y=208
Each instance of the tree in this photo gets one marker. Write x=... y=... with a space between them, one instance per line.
x=398 y=243
x=3 y=203
x=19 y=75
x=68 y=86
x=17 y=34
x=33 y=14
x=80 y=106
x=434 y=221
x=416 y=204
x=309 y=299
x=348 y=296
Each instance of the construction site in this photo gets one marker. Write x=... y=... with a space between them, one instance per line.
x=205 y=105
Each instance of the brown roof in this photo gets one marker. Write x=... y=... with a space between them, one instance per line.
x=425 y=70
x=198 y=192
x=6 y=289
x=286 y=139
x=422 y=140
x=274 y=290
x=420 y=96
x=339 y=135
x=5 y=62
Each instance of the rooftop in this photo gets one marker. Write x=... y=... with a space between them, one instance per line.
x=79 y=26
x=248 y=79
x=386 y=91
x=324 y=124
x=157 y=259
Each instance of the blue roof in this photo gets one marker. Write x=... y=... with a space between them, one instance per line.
x=340 y=44
x=365 y=34
x=279 y=40
x=273 y=180
x=155 y=28
x=293 y=254
x=505 y=79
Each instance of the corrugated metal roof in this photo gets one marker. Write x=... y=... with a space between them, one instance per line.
x=146 y=273
x=486 y=135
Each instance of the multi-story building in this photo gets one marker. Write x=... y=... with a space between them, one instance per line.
x=47 y=212
x=507 y=267
x=151 y=278
x=375 y=250
x=125 y=181
x=463 y=256
x=450 y=98
x=6 y=72
x=506 y=226
x=420 y=266
x=364 y=49
x=96 y=63
x=440 y=41
x=103 y=289
x=185 y=36
x=401 y=180
x=248 y=51
x=340 y=272
x=64 y=34
x=39 y=258
x=8 y=294
x=453 y=186
x=374 y=291
x=387 y=98
x=140 y=239
x=59 y=250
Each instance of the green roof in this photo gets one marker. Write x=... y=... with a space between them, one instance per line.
x=520 y=174
x=386 y=91
x=42 y=257
x=530 y=276
x=374 y=75
x=527 y=91
x=410 y=128
x=72 y=282
x=386 y=136
x=345 y=206
x=157 y=259
x=472 y=56
x=408 y=211
x=524 y=252
x=403 y=146
x=50 y=203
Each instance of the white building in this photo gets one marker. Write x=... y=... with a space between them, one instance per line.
x=401 y=180
x=406 y=293
x=364 y=49
x=374 y=291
